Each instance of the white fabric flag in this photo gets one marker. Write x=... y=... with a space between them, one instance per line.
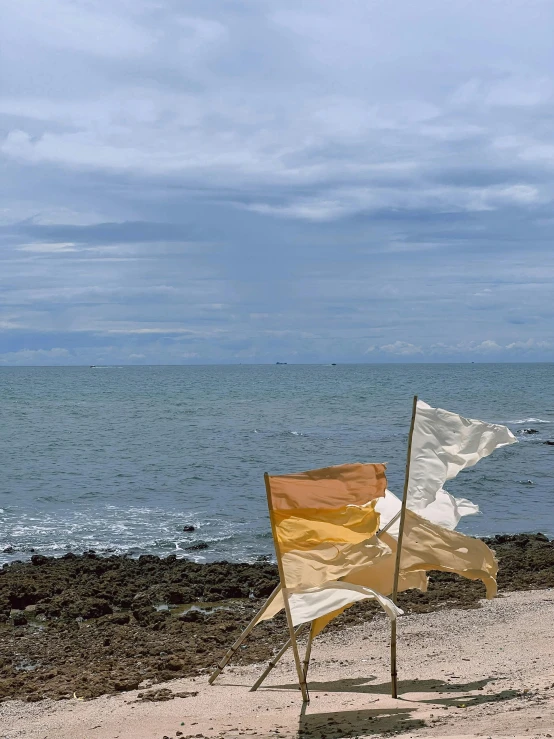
x=307 y=605
x=389 y=508
x=443 y=444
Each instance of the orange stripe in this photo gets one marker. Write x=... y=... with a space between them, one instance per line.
x=329 y=487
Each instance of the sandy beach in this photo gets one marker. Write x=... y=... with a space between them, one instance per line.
x=485 y=672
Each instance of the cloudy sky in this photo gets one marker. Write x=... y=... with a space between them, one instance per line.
x=263 y=180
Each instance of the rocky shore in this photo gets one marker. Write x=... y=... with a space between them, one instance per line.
x=88 y=625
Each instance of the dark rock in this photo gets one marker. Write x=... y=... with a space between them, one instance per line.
x=8 y=550
x=19 y=619
x=23 y=594
x=550 y=443
x=192 y=616
x=120 y=619
x=89 y=608
x=164 y=694
x=178 y=596
x=161 y=694
x=174 y=664
x=148 y=559
x=196 y=547
x=126 y=682
x=225 y=591
x=527 y=431
x=188 y=528
x=39 y=559
x=143 y=613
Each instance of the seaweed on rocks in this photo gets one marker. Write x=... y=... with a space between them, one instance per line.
x=90 y=625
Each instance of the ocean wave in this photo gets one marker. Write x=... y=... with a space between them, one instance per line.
x=530 y=420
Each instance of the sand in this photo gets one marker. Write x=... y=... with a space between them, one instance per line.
x=486 y=672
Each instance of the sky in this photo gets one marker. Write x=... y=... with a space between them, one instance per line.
x=276 y=180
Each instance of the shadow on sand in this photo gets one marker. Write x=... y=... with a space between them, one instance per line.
x=332 y=725
x=355 y=723
x=364 y=685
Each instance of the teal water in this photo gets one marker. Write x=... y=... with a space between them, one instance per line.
x=119 y=459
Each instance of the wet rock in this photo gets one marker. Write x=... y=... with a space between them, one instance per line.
x=23 y=594
x=197 y=547
x=39 y=560
x=19 y=619
x=119 y=619
x=174 y=664
x=143 y=613
x=89 y=608
x=8 y=550
x=550 y=443
x=126 y=682
x=193 y=616
x=178 y=596
x=528 y=431
x=188 y=528
x=225 y=591
x=164 y=694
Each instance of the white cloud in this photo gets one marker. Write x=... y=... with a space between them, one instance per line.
x=486 y=346
x=530 y=344
x=186 y=104
x=402 y=348
x=62 y=247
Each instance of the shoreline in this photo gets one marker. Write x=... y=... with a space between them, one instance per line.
x=91 y=625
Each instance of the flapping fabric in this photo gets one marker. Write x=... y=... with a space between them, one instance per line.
x=325 y=521
x=426 y=546
x=325 y=524
x=314 y=603
x=328 y=487
x=444 y=443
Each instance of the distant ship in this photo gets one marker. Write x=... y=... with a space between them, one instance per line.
x=281 y=362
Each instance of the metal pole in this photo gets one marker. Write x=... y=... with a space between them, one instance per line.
x=273 y=662
x=308 y=653
x=230 y=652
x=393 y=672
x=301 y=679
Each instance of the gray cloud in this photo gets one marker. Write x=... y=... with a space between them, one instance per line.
x=258 y=181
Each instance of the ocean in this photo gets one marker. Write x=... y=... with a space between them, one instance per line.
x=121 y=459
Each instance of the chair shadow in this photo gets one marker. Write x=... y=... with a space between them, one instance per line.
x=473 y=700
x=344 y=724
x=367 y=722
x=364 y=685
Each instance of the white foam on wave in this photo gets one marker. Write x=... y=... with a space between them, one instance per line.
x=115 y=530
x=530 y=420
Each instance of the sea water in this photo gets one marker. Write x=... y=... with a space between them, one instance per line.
x=120 y=459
